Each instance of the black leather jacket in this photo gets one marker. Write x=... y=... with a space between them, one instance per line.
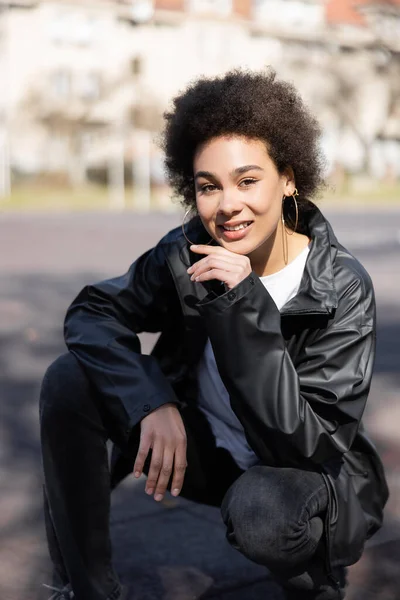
x=298 y=379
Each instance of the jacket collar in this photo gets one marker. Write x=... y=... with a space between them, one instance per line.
x=317 y=293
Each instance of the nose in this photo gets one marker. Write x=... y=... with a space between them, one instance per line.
x=229 y=202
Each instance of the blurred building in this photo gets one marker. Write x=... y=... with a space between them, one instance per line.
x=82 y=82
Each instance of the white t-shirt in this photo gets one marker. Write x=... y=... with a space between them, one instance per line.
x=213 y=397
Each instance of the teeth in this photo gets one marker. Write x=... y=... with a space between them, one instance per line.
x=241 y=226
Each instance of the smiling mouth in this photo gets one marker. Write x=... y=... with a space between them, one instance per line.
x=236 y=227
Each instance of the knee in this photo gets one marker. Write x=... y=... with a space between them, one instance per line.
x=263 y=526
x=63 y=383
x=247 y=516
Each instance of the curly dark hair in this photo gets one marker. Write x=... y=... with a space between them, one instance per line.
x=255 y=105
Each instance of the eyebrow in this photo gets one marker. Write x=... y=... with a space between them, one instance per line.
x=238 y=171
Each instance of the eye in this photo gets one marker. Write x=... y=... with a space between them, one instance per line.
x=207 y=188
x=247 y=182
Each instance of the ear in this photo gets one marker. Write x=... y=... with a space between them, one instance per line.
x=288 y=181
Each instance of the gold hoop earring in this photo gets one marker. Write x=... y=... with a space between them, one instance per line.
x=285 y=250
x=293 y=196
x=285 y=232
x=183 y=229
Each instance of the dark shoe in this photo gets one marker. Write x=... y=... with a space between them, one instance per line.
x=327 y=594
x=324 y=592
x=64 y=593
x=330 y=594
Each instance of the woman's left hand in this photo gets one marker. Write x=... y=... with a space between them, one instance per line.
x=220 y=264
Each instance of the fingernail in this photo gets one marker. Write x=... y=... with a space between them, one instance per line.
x=158 y=497
x=192 y=278
x=149 y=491
x=175 y=492
x=193 y=246
x=189 y=269
x=137 y=474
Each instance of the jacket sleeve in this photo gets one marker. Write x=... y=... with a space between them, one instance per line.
x=308 y=410
x=101 y=328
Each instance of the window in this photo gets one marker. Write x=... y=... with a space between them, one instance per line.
x=83 y=30
x=141 y=11
x=61 y=83
x=220 y=7
x=67 y=27
x=290 y=13
x=90 y=86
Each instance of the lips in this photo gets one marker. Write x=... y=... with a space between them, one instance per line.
x=236 y=231
x=236 y=226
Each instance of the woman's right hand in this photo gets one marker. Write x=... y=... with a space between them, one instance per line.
x=162 y=431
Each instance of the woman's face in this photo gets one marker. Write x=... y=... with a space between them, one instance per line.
x=239 y=192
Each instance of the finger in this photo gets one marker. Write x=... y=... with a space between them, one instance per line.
x=230 y=279
x=221 y=252
x=165 y=474
x=143 y=451
x=155 y=467
x=231 y=259
x=218 y=250
x=202 y=249
x=215 y=263
x=180 y=465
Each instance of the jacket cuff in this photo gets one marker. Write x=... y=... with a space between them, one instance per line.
x=142 y=410
x=225 y=301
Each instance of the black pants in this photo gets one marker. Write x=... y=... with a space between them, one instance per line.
x=273 y=516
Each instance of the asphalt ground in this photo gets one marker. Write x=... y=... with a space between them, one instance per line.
x=175 y=550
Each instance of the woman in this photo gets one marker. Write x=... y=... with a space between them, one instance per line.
x=253 y=396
